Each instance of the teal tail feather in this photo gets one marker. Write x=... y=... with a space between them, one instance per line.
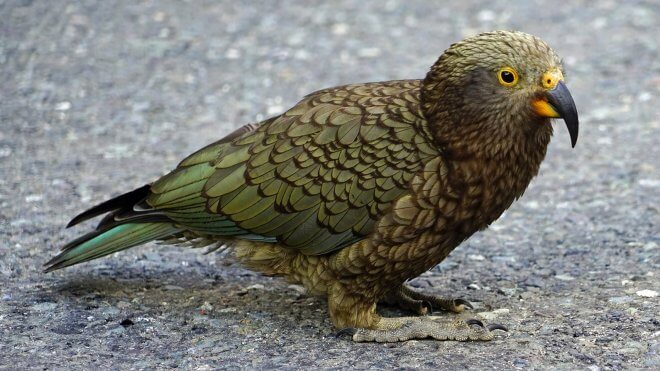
x=104 y=242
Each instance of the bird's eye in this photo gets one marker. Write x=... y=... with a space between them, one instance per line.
x=507 y=76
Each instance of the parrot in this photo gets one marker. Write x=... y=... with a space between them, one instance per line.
x=358 y=189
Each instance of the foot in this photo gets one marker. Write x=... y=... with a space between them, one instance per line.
x=423 y=304
x=407 y=328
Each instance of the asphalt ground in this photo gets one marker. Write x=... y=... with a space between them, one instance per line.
x=99 y=97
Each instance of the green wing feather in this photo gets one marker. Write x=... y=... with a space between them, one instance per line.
x=315 y=178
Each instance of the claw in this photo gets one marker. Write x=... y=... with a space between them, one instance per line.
x=497 y=326
x=350 y=331
x=463 y=302
x=429 y=306
x=473 y=321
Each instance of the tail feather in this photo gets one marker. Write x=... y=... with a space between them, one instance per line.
x=119 y=202
x=104 y=242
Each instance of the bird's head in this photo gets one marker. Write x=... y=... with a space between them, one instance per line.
x=495 y=94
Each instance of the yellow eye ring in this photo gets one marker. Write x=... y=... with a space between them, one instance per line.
x=507 y=76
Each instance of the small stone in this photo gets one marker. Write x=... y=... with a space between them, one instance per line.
x=644 y=96
x=275 y=110
x=564 y=277
x=63 y=106
x=34 y=198
x=649 y=183
x=5 y=151
x=232 y=54
x=488 y=316
x=159 y=16
x=369 y=52
x=486 y=15
x=340 y=29
x=599 y=23
x=532 y=205
x=647 y=293
x=256 y=286
x=172 y=288
x=476 y=257
x=474 y=286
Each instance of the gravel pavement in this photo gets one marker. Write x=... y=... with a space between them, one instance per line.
x=100 y=97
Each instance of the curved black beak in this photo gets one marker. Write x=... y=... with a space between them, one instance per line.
x=562 y=102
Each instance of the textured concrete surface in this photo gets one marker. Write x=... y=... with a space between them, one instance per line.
x=98 y=97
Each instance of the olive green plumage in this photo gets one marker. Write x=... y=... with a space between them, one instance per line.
x=360 y=187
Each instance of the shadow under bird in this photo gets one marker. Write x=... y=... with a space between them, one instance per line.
x=359 y=188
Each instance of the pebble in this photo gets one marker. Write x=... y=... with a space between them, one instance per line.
x=489 y=316
x=63 y=106
x=5 y=151
x=476 y=257
x=369 y=52
x=232 y=54
x=647 y=293
x=486 y=15
x=340 y=29
x=34 y=198
x=649 y=183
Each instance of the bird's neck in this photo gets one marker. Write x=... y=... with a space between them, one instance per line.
x=500 y=170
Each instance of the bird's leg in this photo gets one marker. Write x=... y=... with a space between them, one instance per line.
x=404 y=301
x=439 y=328
x=407 y=295
x=356 y=314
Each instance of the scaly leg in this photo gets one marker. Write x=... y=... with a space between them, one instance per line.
x=407 y=328
x=357 y=315
x=423 y=304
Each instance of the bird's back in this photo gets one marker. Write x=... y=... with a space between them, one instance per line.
x=315 y=178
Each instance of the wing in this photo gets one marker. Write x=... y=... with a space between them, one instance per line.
x=315 y=179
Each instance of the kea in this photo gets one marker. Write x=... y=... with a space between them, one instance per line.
x=359 y=188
